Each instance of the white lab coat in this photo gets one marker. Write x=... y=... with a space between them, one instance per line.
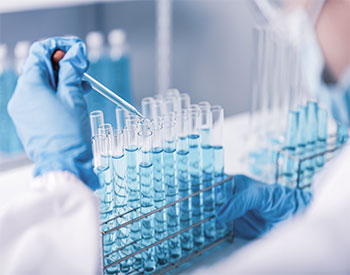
x=54 y=229
x=51 y=229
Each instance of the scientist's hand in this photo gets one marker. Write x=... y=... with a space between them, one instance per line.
x=52 y=119
x=256 y=207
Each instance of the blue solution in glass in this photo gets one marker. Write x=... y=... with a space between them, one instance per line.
x=195 y=175
x=311 y=139
x=207 y=180
x=147 y=226
x=322 y=136
x=134 y=202
x=301 y=142
x=159 y=201
x=183 y=182
x=342 y=134
x=121 y=207
x=220 y=190
x=172 y=215
x=289 y=164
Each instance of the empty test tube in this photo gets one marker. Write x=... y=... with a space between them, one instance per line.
x=145 y=136
x=107 y=130
x=185 y=101
x=183 y=177
x=172 y=212
x=147 y=107
x=217 y=143
x=96 y=119
x=120 y=118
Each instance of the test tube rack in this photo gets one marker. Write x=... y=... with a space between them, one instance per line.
x=300 y=179
x=229 y=236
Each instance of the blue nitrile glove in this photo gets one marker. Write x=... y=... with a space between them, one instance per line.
x=52 y=120
x=256 y=207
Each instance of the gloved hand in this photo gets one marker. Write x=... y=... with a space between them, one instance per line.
x=52 y=120
x=256 y=207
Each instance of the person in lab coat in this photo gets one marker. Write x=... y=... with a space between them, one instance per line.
x=54 y=228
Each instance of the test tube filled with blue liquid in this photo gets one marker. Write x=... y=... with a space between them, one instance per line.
x=131 y=153
x=342 y=134
x=322 y=136
x=195 y=173
x=207 y=172
x=183 y=177
x=121 y=198
x=311 y=139
x=159 y=191
x=301 y=139
x=289 y=164
x=172 y=212
x=145 y=136
x=217 y=143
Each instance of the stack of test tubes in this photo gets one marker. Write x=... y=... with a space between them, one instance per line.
x=307 y=145
x=146 y=168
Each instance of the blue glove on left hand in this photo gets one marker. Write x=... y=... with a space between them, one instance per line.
x=52 y=120
x=256 y=207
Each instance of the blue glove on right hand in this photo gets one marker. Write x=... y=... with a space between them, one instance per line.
x=52 y=120
x=256 y=207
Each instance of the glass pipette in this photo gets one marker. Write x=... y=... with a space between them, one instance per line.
x=98 y=87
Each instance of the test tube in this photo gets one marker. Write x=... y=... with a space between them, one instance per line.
x=159 y=190
x=172 y=212
x=147 y=194
x=132 y=120
x=301 y=140
x=289 y=167
x=172 y=104
x=121 y=199
x=96 y=119
x=131 y=153
x=185 y=101
x=120 y=118
x=195 y=172
x=147 y=107
x=159 y=110
x=322 y=136
x=342 y=134
x=107 y=130
x=207 y=172
x=183 y=177
x=217 y=143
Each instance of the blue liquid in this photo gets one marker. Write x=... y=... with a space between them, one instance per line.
x=172 y=215
x=159 y=201
x=322 y=136
x=207 y=180
x=147 y=227
x=183 y=181
x=220 y=190
x=342 y=134
x=120 y=207
x=134 y=202
x=195 y=174
x=301 y=141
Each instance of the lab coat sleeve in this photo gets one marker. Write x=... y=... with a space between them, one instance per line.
x=51 y=229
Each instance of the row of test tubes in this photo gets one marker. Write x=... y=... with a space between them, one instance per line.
x=145 y=164
x=307 y=136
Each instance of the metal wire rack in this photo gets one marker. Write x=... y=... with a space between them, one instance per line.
x=229 y=236
x=293 y=167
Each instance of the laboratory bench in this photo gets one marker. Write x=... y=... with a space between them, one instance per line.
x=15 y=181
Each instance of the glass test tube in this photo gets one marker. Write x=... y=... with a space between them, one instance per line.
x=183 y=177
x=107 y=130
x=172 y=213
x=322 y=136
x=301 y=140
x=207 y=172
x=147 y=107
x=342 y=134
x=96 y=119
x=147 y=194
x=289 y=164
x=185 y=101
x=159 y=190
x=131 y=152
x=196 y=172
x=120 y=118
x=311 y=139
x=121 y=198
x=217 y=143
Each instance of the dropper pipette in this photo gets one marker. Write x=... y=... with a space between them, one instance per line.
x=98 y=87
